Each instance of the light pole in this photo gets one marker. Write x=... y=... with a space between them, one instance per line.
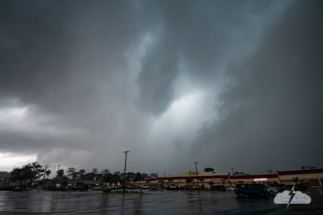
x=197 y=173
x=57 y=174
x=234 y=177
x=140 y=181
x=45 y=172
x=125 y=167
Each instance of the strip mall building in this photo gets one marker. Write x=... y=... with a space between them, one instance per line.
x=311 y=177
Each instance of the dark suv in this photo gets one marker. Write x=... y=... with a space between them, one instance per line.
x=251 y=189
x=218 y=187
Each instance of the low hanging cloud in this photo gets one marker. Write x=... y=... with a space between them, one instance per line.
x=273 y=102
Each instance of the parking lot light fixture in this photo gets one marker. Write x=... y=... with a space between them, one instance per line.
x=197 y=173
x=125 y=167
x=234 y=177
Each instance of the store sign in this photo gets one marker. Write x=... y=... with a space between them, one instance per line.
x=260 y=179
x=192 y=173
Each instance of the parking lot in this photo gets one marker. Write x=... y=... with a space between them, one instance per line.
x=158 y=202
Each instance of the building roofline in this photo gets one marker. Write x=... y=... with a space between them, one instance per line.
x=254 y=176
x=300 y=171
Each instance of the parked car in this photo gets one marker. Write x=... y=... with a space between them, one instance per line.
x=298 y=187
x=173 y=187
x=106 y=189
x=97 y=188
x=18 y=189
x=230 y=188
x=196 y=187
x=272 y=190
x=250 y=189
x=145 y=186
x=133 y=186
x=218 y=187
x=188 y=187
x=81 y=187
x=77 y=188
x=279 y=186
x=112 y=187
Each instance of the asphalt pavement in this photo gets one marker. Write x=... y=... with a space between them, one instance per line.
x=158 y=202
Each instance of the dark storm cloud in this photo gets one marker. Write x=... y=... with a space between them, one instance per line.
x=49 y=46
x=273 y=104
x=192 y=38
x=81 y=81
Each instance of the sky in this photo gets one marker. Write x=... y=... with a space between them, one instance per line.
x=223 y=83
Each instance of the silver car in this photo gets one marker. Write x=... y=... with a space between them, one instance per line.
x=272 y=190
x=173 y=187
x=230 y=188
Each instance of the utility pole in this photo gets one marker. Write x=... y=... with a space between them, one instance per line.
x=140 y=181
x=234 y=177
x=197 y=173
x=125 y=167
x=45 y=172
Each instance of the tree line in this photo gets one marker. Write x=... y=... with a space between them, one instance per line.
x=34 y=171
x=31 y=172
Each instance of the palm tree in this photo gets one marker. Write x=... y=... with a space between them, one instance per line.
x=189 y=180
x=170 y=181
x=224 y=180
x=202 y=180
x=270 y=171
x=295 y=180
x=211 y=183
x=229 y=182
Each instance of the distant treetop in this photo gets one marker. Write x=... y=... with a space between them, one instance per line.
x=208 y=169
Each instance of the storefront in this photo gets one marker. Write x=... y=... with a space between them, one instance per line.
x=311 y=177
x=190 y=177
